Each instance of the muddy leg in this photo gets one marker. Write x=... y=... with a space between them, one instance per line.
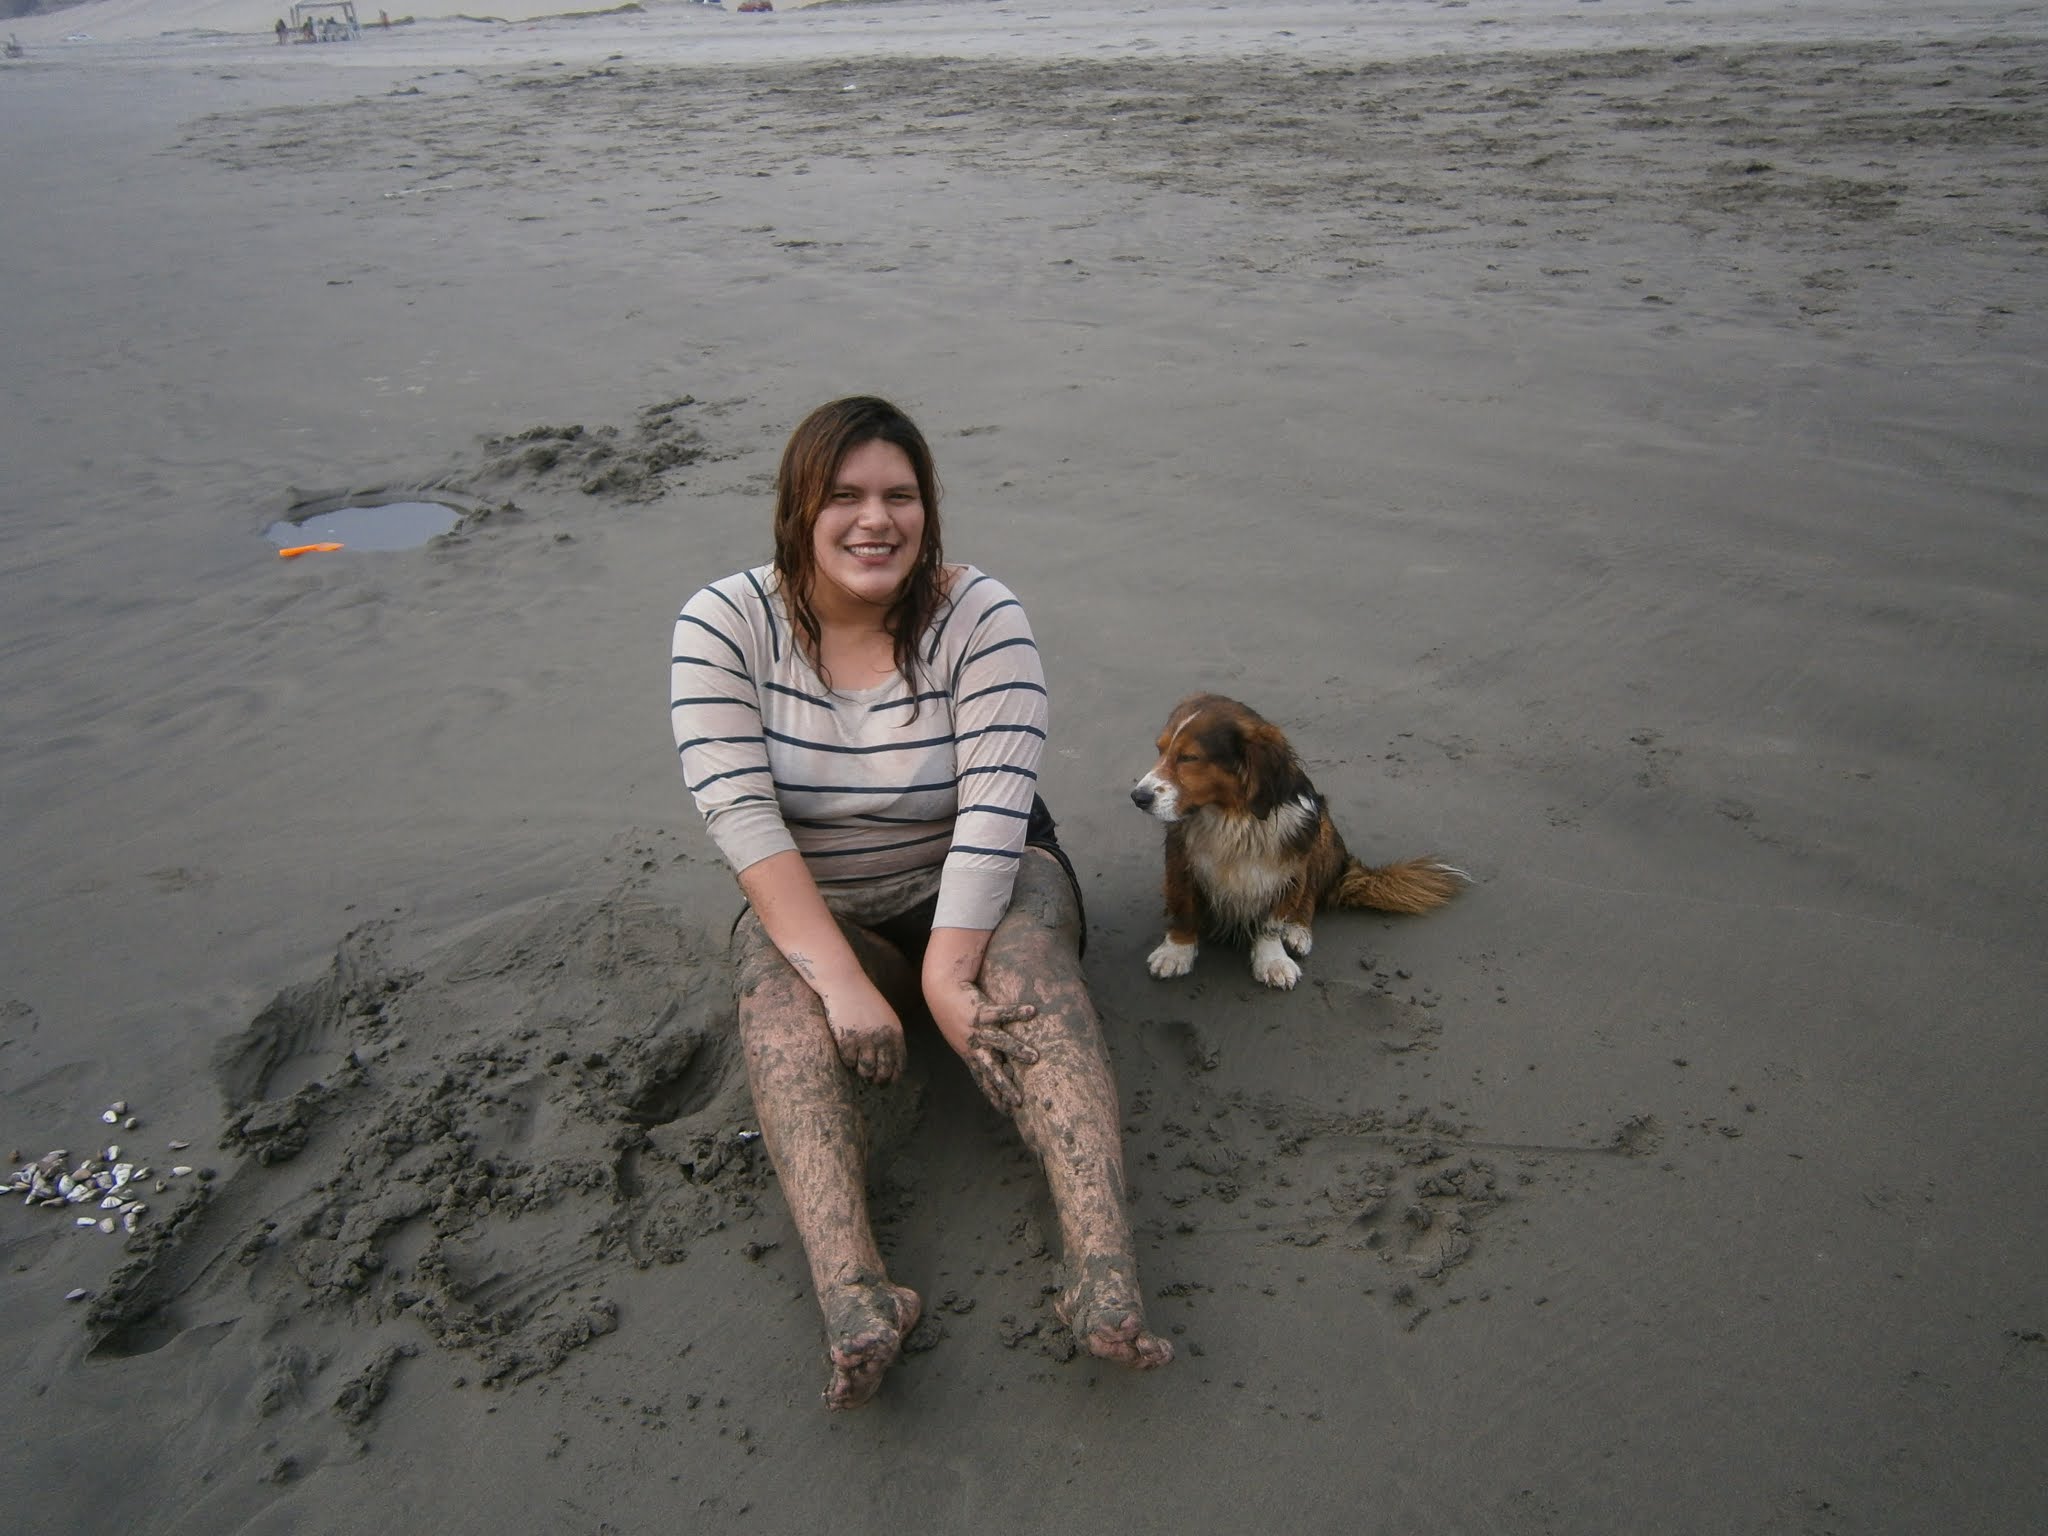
x=817 y=1139
x=1069 y=1115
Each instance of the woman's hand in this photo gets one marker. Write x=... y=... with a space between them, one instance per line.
x=867 y=1032
x=991 y=1052
x=976 y=1028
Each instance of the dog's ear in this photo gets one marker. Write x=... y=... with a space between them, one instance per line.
x=1270 y=770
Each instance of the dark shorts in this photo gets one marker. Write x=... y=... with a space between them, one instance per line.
x=909 y=931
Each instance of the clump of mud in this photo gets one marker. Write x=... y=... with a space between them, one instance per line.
x=633 y=465
x=459 y=1150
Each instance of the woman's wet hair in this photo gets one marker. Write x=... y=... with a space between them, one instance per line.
x=810 y=467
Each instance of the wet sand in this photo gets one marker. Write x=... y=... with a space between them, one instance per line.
x=1607 y=436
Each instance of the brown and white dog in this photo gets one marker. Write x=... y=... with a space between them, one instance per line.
x=1250 y=847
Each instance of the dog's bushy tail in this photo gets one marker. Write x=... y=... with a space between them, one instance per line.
x=1413 y=885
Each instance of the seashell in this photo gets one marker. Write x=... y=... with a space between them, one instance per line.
x=101 y=1180
x=123 y=1172
x=50 y=1204
x=80 y=1192
x=133 y=1208
x=130 y=1123
x=106 y=1223
x=110 y=1117
x=131 y=1221
x=179 y=1146
x=181 y=1170
x=66 y=1183
x=119 y=1106
x=161 y=1186
x=88 y=1221
x=78 y=1295
x=111 y=1156
x=112 y=1203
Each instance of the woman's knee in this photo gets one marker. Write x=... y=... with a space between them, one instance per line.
x=1045 y=895
x=1034 y=958
x=761 y=976
x=1043 y=924
x=777 y=1012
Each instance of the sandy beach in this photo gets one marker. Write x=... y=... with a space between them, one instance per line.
x=1607 y=436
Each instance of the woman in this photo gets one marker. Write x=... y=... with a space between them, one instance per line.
x=860 y=724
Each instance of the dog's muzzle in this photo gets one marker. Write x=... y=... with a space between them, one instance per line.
x=1154 y=796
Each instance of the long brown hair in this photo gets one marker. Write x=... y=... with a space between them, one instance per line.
x=810 y=463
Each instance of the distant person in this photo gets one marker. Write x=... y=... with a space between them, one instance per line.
x=860 y=724
x=283 y=31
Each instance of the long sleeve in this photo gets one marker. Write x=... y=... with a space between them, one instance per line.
x=715 y=712
x=1000 y=717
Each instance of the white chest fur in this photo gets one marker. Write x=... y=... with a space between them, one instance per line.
x=1242 y=863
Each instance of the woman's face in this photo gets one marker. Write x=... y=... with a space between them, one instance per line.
x=866 y=537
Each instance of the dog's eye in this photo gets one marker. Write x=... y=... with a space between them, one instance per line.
x=1185 y=757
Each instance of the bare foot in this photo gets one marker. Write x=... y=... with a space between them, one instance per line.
x=1103 y=1309
x=868 y=1321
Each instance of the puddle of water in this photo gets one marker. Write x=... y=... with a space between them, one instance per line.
x=393 y=525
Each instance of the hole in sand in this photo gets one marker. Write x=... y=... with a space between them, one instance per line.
x=375 y=523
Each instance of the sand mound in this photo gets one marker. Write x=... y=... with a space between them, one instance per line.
x=459 y=1150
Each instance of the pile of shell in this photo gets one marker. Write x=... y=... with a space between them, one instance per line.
x=102 y=1182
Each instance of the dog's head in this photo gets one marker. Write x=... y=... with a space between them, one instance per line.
x=1216 y=753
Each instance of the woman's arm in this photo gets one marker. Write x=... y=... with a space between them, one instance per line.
x=999 y=724
x=715 y=663
x=999 y=719
x=863 y=1025
x=715 y=705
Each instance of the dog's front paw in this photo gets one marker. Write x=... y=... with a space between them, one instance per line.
x=1298 y=938
x=1171 y=959
x=1271 y=965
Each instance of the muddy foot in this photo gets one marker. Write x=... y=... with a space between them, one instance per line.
x=1102 y=1308
x=868 y=1322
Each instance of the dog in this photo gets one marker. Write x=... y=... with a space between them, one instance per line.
x=1250 y=846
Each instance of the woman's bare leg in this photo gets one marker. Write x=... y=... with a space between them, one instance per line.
x=817 y=1139
x=1069 y=1116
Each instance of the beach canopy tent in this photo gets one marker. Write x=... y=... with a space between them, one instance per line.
x=320 y=12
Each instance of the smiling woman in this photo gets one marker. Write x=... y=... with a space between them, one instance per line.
x=860 y=724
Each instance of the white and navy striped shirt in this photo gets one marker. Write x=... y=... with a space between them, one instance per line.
x=865 y=788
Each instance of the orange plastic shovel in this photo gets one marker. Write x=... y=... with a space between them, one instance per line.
x=305 y=549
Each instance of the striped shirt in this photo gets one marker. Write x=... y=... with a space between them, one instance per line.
x=866 y=789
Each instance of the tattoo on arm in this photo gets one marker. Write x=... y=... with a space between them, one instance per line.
x=802 y=964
